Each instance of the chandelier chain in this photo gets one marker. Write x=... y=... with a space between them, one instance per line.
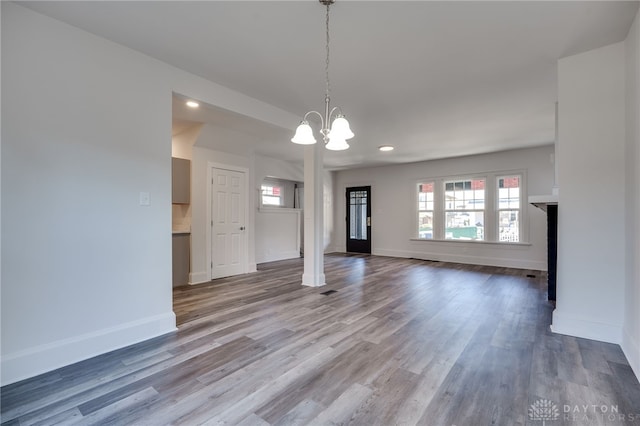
x=326 y=68
x=334 y=133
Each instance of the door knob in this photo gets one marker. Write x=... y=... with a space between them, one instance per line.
x=242 y=228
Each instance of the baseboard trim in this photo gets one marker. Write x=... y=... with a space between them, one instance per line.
x=198 y=278
x=580 y=327
x=283 y=255
x=465 y=259
x=311 y=280
x=44 y=358
x=631 y=350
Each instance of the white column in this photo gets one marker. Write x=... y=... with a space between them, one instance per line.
x=313 y=275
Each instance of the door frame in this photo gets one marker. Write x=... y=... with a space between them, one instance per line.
x=367 y=188
x=209 y=237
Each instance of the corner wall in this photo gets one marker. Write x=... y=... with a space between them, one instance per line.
x=631 y=331
x=86 y=268
x=591 y=208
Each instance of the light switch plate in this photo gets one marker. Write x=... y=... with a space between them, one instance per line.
x=145 y=199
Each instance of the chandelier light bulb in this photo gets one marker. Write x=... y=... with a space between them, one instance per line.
x=336 y=144
x=304 y=134
x=340 y=128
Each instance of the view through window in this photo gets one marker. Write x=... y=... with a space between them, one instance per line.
x=271 y=195
x=464 y=209
x=425 y=210
x=460 y=208
x=509 y=208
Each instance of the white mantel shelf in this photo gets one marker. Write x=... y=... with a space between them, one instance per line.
x=542 y=201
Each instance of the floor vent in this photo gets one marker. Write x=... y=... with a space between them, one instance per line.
x=328 y=292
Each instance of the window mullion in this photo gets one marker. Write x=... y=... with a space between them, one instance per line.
x=438 y=210
x=490 y=210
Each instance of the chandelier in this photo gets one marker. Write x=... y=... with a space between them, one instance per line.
x=335 y=138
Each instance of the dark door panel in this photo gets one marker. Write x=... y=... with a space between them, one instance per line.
x=359 y=219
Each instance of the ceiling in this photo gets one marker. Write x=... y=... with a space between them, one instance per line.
x=434 y=79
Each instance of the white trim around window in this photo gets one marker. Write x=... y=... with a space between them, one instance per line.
x=430 y=218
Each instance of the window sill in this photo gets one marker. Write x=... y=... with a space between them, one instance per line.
x=278 y=210
x=495 y=243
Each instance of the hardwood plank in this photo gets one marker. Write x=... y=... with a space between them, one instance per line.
x=389 y=391
x=341 y=410
x=253 y=420
x=64 y=418
x=401 y=341
x=309 y=368
x=301 y=414
x=116 y=409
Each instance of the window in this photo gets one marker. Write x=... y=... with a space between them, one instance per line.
x=509 y=208
x=280 y=193
x=271 y=195
x=425 y=210
x=486 y=207
x=464 y=209
x=358 y=214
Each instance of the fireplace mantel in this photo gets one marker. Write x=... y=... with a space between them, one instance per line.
x=542 y=201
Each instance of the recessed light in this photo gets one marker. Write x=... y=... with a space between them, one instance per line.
x=192 y=104
x=385 y=148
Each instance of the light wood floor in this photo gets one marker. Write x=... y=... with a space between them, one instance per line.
x=400 y=342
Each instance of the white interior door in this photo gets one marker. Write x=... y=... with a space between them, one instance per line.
x=228 y=228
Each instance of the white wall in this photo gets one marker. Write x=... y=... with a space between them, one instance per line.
x=278 y=234
x=203 y=159
x=330 y=204
x=273 y=167
x=182 y=143
x=394 y=210
x=77 y=153
x=278 y=230
x=86 y=269
x=272 y=234
x=631 y=331
x=591 y=209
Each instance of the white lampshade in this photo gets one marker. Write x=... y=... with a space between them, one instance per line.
x=337 y=144
x=340 y=128
x=304 y=134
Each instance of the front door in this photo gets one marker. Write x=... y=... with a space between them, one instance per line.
x=228 y=228
x=359 y=219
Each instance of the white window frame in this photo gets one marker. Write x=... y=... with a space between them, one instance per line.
x=519 y=209
x=446 y=209
x=491 y=210
x=280 y=197
x=432 y=211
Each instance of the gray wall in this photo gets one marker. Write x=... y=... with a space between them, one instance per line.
x=85 y=268
x=394 y=208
